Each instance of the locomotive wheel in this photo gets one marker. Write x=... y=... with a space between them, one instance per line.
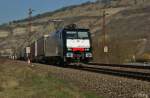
x=63 y=62
x=60 y=62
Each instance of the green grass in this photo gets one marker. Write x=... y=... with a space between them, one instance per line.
x=28 y=84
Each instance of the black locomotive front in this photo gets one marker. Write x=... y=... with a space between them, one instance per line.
x=77 y=45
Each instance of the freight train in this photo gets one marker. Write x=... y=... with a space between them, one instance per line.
x=67 y=45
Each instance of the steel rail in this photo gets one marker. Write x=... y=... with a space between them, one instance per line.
x=122 y=65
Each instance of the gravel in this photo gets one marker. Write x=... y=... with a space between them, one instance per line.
x=104 y=85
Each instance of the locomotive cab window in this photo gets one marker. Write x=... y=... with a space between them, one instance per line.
x=71 y=35
x=83 y=35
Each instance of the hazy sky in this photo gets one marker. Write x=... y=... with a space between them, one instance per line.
x=18 y=9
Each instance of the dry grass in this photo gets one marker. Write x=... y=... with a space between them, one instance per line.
x=19 y=80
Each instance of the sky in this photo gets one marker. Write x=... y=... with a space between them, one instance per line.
x=18 y=9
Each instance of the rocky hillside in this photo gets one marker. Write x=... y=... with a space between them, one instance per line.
x=127 y=27
x=128 y=36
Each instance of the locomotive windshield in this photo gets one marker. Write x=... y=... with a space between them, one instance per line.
x=77 y=35
x=71 y=35
x=83 y=35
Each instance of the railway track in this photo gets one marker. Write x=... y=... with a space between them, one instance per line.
x=134 y=72
x=142 y=66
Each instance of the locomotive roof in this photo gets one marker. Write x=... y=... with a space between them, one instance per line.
x=71 y=29
x=76 y=29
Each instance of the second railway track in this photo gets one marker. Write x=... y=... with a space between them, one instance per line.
x=139 y=66
x=128 y=72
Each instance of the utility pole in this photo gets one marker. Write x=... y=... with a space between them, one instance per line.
x=29 y=33
x=105 y=44
x=30 y=20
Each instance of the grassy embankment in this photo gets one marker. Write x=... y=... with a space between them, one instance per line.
x=21 y=81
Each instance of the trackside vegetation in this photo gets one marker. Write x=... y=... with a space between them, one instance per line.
x=21 y=81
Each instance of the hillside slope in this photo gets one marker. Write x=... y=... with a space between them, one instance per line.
x=128 y=36
x=127 y=27
x=85 y=15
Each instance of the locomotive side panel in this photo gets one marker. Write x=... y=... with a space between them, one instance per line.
x=51 y=47
x=61 y=44
x=40 y=47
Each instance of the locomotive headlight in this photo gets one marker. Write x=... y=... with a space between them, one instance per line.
x=87 y=49
x=88 y=55
x=69 y=49
x=69 y=54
